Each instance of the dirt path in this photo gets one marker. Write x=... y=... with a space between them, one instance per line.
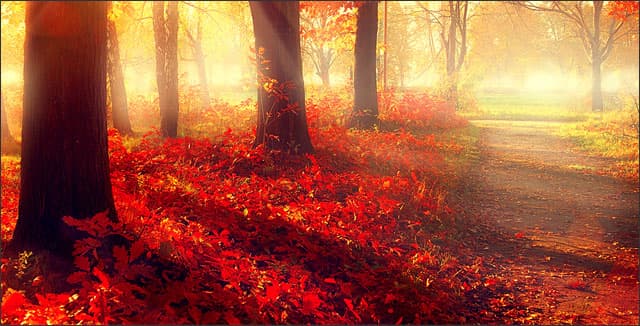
x=568 y=235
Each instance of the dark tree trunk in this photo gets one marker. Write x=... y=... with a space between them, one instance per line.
x=282 y=120
x=166 y=38
x=365 y=107
x=118 y=93
x=65 y=163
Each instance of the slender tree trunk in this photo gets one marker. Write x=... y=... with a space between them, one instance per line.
x=596 y=61
x=597 y=104
x=205 y=98
x=282 y=121
x=118 y=92
x=65 y=163
x=166 y=38
x=365 y=107
x=198 y=55
x=324 y=70
x=6 y=134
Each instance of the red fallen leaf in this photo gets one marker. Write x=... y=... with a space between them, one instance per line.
x=490 y=282
x=399 y=321
x=82 y=262
x=231 y=319
x=310 y=302
x=519 y=235
x=137 y=248
x=330 y=280
x=349 y=304
x=273 y=291
x=577 y=285
x=13 y=301
x=77 y=277
x=104 y=279
x=121 y=255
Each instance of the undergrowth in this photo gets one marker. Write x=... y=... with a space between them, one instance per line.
x=221 y=232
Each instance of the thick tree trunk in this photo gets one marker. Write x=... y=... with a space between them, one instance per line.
x=118 y=94
x=282 y=120
x=365 y=107
x=65 y=163
x=166 y=38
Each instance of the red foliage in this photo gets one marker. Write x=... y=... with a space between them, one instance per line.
x=220 y=232
x=622 y=10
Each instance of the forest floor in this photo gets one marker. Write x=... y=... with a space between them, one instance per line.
x=550 y=220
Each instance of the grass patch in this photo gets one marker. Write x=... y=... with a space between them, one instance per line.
x=530 y=107
x=612 y=134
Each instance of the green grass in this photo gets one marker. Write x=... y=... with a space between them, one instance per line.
x=529 y=106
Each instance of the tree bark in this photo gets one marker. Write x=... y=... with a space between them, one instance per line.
x=65 y=162
x=166 y=38
x=282 y=121
x=365 y=107
x=117 y=90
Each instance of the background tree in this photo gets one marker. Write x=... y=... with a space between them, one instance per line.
x=65 y=163
x=365 y=104
x=282 y=121
x=6 y=135
x=326 y=28
x=597 y=41
x=194 y=39
x=165 y=28
x=117 y=91
x=452 y=18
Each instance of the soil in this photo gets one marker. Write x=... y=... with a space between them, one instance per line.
x=551 y=223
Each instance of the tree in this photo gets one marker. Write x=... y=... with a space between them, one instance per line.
x=365 y=106
x=596 y=42
x=6 y=134
x=166 y=37
x=65 y=163
x=117 y=91
x=326 y=29
x=195 y=42
x=282 y=121
x=452 y=18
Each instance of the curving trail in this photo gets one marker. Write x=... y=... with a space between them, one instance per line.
x=552 y=223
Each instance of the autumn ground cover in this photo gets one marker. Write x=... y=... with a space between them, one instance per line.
x=220 y=232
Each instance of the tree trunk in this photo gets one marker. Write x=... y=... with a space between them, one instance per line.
x=202 y=71
x=324 y=69
x=166 y=38
x=282 y=121
x=596 y=61
x=118 y=94
x=198 y=54
x=596 y=87
x=65 y=163
x=365 y=106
